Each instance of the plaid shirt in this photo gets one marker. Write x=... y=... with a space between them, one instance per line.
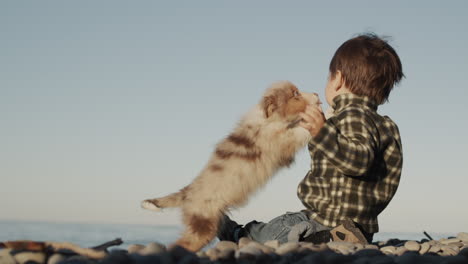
x=356 y=165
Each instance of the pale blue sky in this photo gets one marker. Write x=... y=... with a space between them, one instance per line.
x=105 y=103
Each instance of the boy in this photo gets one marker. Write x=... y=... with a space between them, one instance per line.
x=356 y=154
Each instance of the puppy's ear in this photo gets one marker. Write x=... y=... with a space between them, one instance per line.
x=269 y=105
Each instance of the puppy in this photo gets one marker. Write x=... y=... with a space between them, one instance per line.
x=265 y=140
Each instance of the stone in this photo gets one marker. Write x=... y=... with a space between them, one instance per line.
x=29 y=256
x=340 y=244
x=178 y=253
x=345 y=251
x=223 y=245
x=54 y=259
x=371 y=246
x=287 y=248
x=244 y=241
x=248 y=251
x=368 y=252
x=453 y=248
x=449 y=240
x=435 y=248
x=310 y=246
x=412 y=246
x=187 y=259
x=358 y=246
x=135 y=248
x=448 y=251
x=227 y=253
x=153 y=248
x=344 y=248
x=323 y=247
x=394 y=242
x=117 y=256
x=5 y=257
x=401 y=250
x=272 y=243
x=463 y=236
x=263 y=248
x=201 y=254
x=424 y=248
x=78 y=259
x=213 y=254
x=457 y=244
x=464 y=252
x=388 y=250
x=149 y=259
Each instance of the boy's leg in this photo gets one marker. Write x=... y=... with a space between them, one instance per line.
x=288 y=227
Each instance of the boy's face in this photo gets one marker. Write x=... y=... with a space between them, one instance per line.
x=331 y=88
x=335 y=86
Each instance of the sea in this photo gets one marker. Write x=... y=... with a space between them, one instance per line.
x=90 y=235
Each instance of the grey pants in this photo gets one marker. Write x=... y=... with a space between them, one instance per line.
x=290 y=227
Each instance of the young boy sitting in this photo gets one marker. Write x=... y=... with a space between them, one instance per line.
x=356 y=154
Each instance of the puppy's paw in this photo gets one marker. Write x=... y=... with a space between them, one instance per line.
x=148 y=205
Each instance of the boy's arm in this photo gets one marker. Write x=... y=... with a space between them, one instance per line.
x=348 y=144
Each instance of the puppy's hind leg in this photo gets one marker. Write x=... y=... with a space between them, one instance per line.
x=200 y=230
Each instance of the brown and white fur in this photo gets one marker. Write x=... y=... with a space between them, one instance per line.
x=265 y=140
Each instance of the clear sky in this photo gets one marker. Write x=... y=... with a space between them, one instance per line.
x=106 y=103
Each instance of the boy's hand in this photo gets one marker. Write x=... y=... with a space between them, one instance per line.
x=313 y=119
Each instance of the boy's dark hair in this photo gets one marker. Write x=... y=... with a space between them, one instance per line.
x=369 y=66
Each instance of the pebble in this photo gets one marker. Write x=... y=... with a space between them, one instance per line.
x=30 y=257
x=424 y=248
x=226 y=245
x=450 y=248
x=227 y=253
x=54 y=259
x=449 y=240
x=213 y=253
x=371 y=246
x=248 y=251
x=272 y=243
x=401 y=250
x=463 y=236
x=77 y=260
x=5 y=257
x=388 y=249
x=153 y=248
x=287 y=248
x=263 y=248
x=448 y=251
x=344 y=248
x=457 y=244
x=244 y=241
x=313 y=247
x=135 y=248
x=435 y=248
x=412 y=246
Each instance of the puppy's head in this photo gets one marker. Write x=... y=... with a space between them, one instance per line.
x=285 y=101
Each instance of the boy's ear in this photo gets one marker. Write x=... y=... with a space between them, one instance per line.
x=338 y=81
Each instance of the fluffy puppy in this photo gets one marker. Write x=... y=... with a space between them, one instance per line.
x=265 y=140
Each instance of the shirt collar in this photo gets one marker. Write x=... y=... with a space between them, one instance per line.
x=343 y=100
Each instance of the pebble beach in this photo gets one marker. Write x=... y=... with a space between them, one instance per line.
x=445 y=250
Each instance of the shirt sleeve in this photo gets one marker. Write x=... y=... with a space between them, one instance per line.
x=347 y=141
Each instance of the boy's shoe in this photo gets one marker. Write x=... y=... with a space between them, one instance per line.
x=228 y=230
x=348 y=232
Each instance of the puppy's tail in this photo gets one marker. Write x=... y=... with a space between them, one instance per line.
x=169 y=201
